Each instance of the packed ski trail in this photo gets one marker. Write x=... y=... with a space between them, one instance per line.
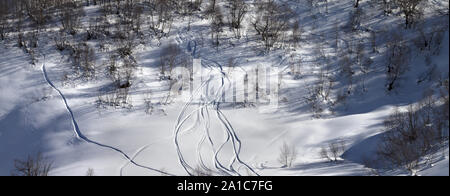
x=79 y=134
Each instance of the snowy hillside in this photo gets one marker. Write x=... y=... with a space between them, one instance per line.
x=225 y=87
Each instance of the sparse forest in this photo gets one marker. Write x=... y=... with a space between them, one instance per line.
x=340 y=73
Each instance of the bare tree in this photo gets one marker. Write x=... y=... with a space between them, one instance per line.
x=271 y=21
x=188 y=8
x=168 y=59
x=70 y=16
x=324 y=153
x=396 y=146
x=32 y=166
x=90 y=172
x=347 y=69
x=288 y=154
x=318 y=96
x=430 y=39
x=238 y=10
x=364 y=64
x=83 y=59
x=96 y=28
x=388 y=6
x=61 y=41
x=39 y=11
x=355 y=18
x=412 y=134
x=211 y=9
x=397 y=55
x=4 y=17
x=216 y=27
x=296 y=34
x=333 y=151
x=410 y=9
x=161 y=17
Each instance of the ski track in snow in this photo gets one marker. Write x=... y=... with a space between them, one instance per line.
x=203 y=117
x=79 y=134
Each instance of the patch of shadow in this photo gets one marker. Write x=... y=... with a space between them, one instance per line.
x=366 y=153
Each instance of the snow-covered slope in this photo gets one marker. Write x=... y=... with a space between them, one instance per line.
x=39 y=114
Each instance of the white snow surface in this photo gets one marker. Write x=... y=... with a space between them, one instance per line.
x=69 y=129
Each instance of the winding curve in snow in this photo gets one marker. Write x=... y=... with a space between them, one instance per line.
x=82 y=137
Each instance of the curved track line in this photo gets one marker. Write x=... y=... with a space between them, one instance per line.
x=79 y=134
x=231 y=136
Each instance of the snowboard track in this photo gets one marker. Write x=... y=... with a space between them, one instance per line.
x=79 y=135
x=201 y=115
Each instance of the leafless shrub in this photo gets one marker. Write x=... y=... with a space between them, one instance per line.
x=29 y=43
x=411 y=135
x=32 y=166
x=388 y=6
x=369 y=165
x=373 y=41
x=288 y=154
x=346 y=65
x=430 y=40
x=126 y=48
x=4 y=19
x=296 y=66
x=70 y=16
x=271 y=21
x=411 y=10
x=297 y=32
x=161 y=18
x=324 y=153
x=216 y=27
x=211 y=9
x=355 y=19
x=39 y=11
x=200 y=171
x=148 y=104
x=364 y=64
x=397 y=55
x=65 y=79
x=168 y=60
x=188 y=8
x=333 y=151
x=90 y=172
x=96 y=28
x=237 y=11
x=118 y=98
x=83 y=58
x=20 y=40
x=61 y=41
x=318 y=96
